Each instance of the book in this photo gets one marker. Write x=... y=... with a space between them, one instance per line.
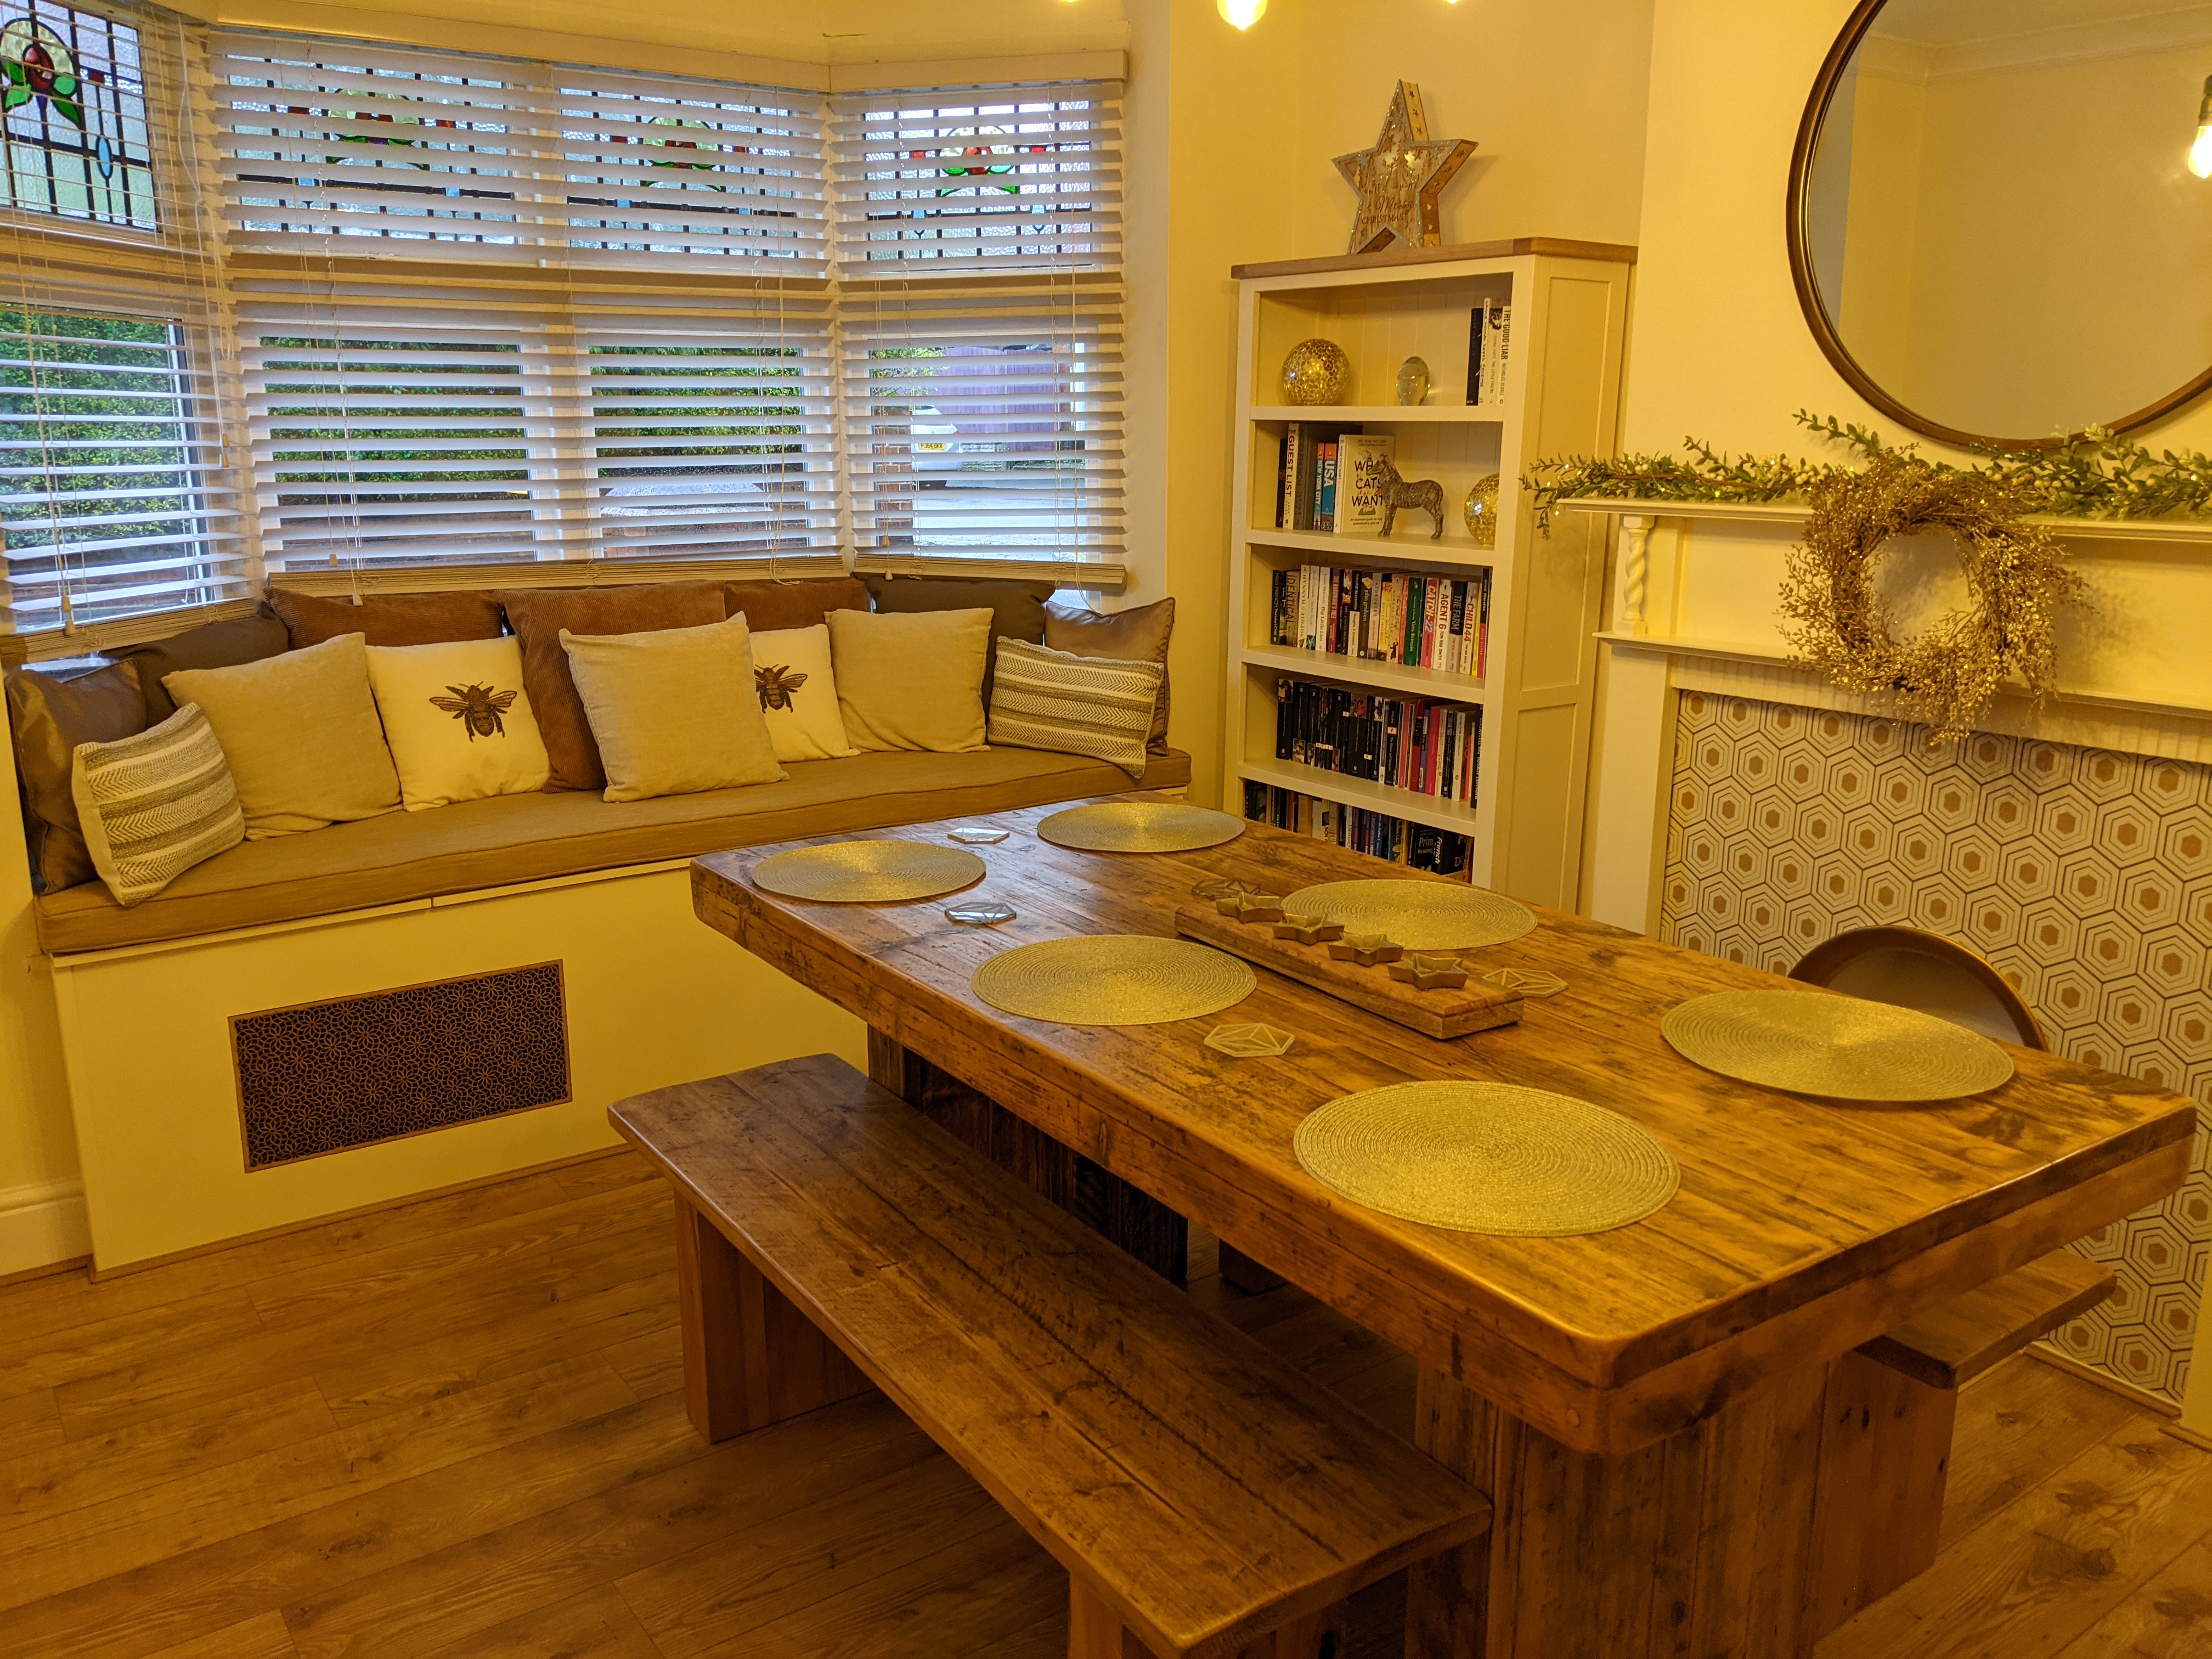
x=1286 y=473
x=1363 y=458
x=1324 y=513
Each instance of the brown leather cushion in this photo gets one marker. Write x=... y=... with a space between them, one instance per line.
x=1018 y=607
x=1137 y=635
x=411 y=857
x=769 y=606
x=213 y=645
x=540 y=613
x=388 y=618
x=52 y=713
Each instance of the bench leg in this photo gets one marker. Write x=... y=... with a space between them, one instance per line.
x=1096 y=1632
x=1884 y=1457
x=750 y=1358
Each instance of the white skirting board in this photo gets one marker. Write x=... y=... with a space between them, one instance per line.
x=42 y=1224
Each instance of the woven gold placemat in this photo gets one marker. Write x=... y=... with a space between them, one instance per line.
x=1837 y=1047
x=869 y=872
x=1113 y=979
x=1421 y=915
x=1139 y=826
x=1488 y=1158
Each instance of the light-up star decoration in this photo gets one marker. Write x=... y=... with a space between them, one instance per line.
x=1399 y=179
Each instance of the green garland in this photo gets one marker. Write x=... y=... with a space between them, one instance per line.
x=2099 y=475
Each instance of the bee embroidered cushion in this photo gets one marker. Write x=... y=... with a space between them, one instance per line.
x=458 y=720
x=674 y=712
x=799 y=694
x=301 y=732
x=913 y=680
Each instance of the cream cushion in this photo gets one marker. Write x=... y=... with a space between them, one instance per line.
x=458 y=720
x=154 y=806
x=911 y=680
x=674 y=711
x=301 y=732
x=799 y=694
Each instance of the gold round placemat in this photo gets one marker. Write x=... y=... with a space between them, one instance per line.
x=1838 y=1047
x=1141 y=826
x=1421 y=915
x=1113 y=979
x=869 y=872
x=1487 y=1157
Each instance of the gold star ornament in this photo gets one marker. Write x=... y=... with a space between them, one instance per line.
x=1399 y=179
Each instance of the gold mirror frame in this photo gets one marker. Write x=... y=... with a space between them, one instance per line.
x=1816 y=316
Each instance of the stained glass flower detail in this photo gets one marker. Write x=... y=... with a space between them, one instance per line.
x=978 y=158
x=39 y=64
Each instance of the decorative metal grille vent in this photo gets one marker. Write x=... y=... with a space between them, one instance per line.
x=327 y=1076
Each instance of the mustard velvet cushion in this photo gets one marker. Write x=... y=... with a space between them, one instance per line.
x=911 y=680
x=301 y=732
x=51 y=714
x=1095 y=706
x=458 y=720
x=154 y=806
x=799 y=694
x=675 y=711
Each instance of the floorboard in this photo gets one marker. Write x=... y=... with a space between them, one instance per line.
x=456 y=1427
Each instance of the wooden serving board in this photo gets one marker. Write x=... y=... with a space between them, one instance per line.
x=1443 y=1014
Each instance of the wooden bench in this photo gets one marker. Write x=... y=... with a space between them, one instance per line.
x=1206 y=1499
x=1886 y=1451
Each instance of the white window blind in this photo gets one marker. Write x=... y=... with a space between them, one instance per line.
x=327 y=142
x=979 y=263
x=423 y=420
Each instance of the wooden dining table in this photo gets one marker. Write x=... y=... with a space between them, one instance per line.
x=1645 y=1405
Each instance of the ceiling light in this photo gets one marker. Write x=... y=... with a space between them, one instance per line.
x=1242 y=13
x=2200 y=153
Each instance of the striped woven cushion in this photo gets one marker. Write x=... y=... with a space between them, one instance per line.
x=1094 y=706
x=155 y=804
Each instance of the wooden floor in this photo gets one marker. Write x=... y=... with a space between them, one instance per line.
x=456 y=1428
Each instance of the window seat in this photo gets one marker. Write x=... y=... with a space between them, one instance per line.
x=404 y=856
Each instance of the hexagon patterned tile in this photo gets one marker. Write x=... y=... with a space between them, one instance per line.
x=2085 y=877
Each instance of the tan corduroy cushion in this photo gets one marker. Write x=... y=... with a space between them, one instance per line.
x=1140 y=635
x=458 y=719
x=51 y=715
x=540 y=613
x=911 y=681
x=388 y=619
x=770 y=606
x=676 y=711
x=212 y=645
x=302 y=736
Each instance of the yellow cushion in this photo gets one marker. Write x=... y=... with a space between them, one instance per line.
x=458 y=720
x=301 y=732
x=675 y=711
x=799 y=694
x=911 y=680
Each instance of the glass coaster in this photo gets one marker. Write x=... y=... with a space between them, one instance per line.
x=980 y=912
x=976 y=835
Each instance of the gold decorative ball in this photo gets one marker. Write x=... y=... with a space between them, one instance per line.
x=1481 y=512
x=1316 y=372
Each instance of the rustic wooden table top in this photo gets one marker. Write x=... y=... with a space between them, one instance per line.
x=1802 y=1227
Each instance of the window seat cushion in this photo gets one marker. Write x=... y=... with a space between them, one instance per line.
x=507 y=839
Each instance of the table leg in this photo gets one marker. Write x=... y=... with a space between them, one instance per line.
x=751 y=1358
x=1147 y=1228
x=1703 y=1544
x=1885 y=1459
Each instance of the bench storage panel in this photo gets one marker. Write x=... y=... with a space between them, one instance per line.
x=1200 y=1491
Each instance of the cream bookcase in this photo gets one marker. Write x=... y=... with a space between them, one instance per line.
x=1561 y=395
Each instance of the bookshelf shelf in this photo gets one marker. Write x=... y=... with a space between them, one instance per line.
x=1401 y=550
x=1562 y=379
x=1356 y=670
x=1463 y=414
x=1456 y=816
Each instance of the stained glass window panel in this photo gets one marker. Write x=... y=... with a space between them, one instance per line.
x=73 y=117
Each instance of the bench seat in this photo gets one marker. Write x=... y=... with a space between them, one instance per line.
x=1206 y=1498
x=406 y=856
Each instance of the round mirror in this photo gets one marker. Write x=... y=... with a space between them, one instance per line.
x=1998 y=225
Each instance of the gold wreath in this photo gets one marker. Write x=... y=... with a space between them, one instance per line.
x=1945 y=677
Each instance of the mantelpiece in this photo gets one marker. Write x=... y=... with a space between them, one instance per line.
x=1691 y=608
